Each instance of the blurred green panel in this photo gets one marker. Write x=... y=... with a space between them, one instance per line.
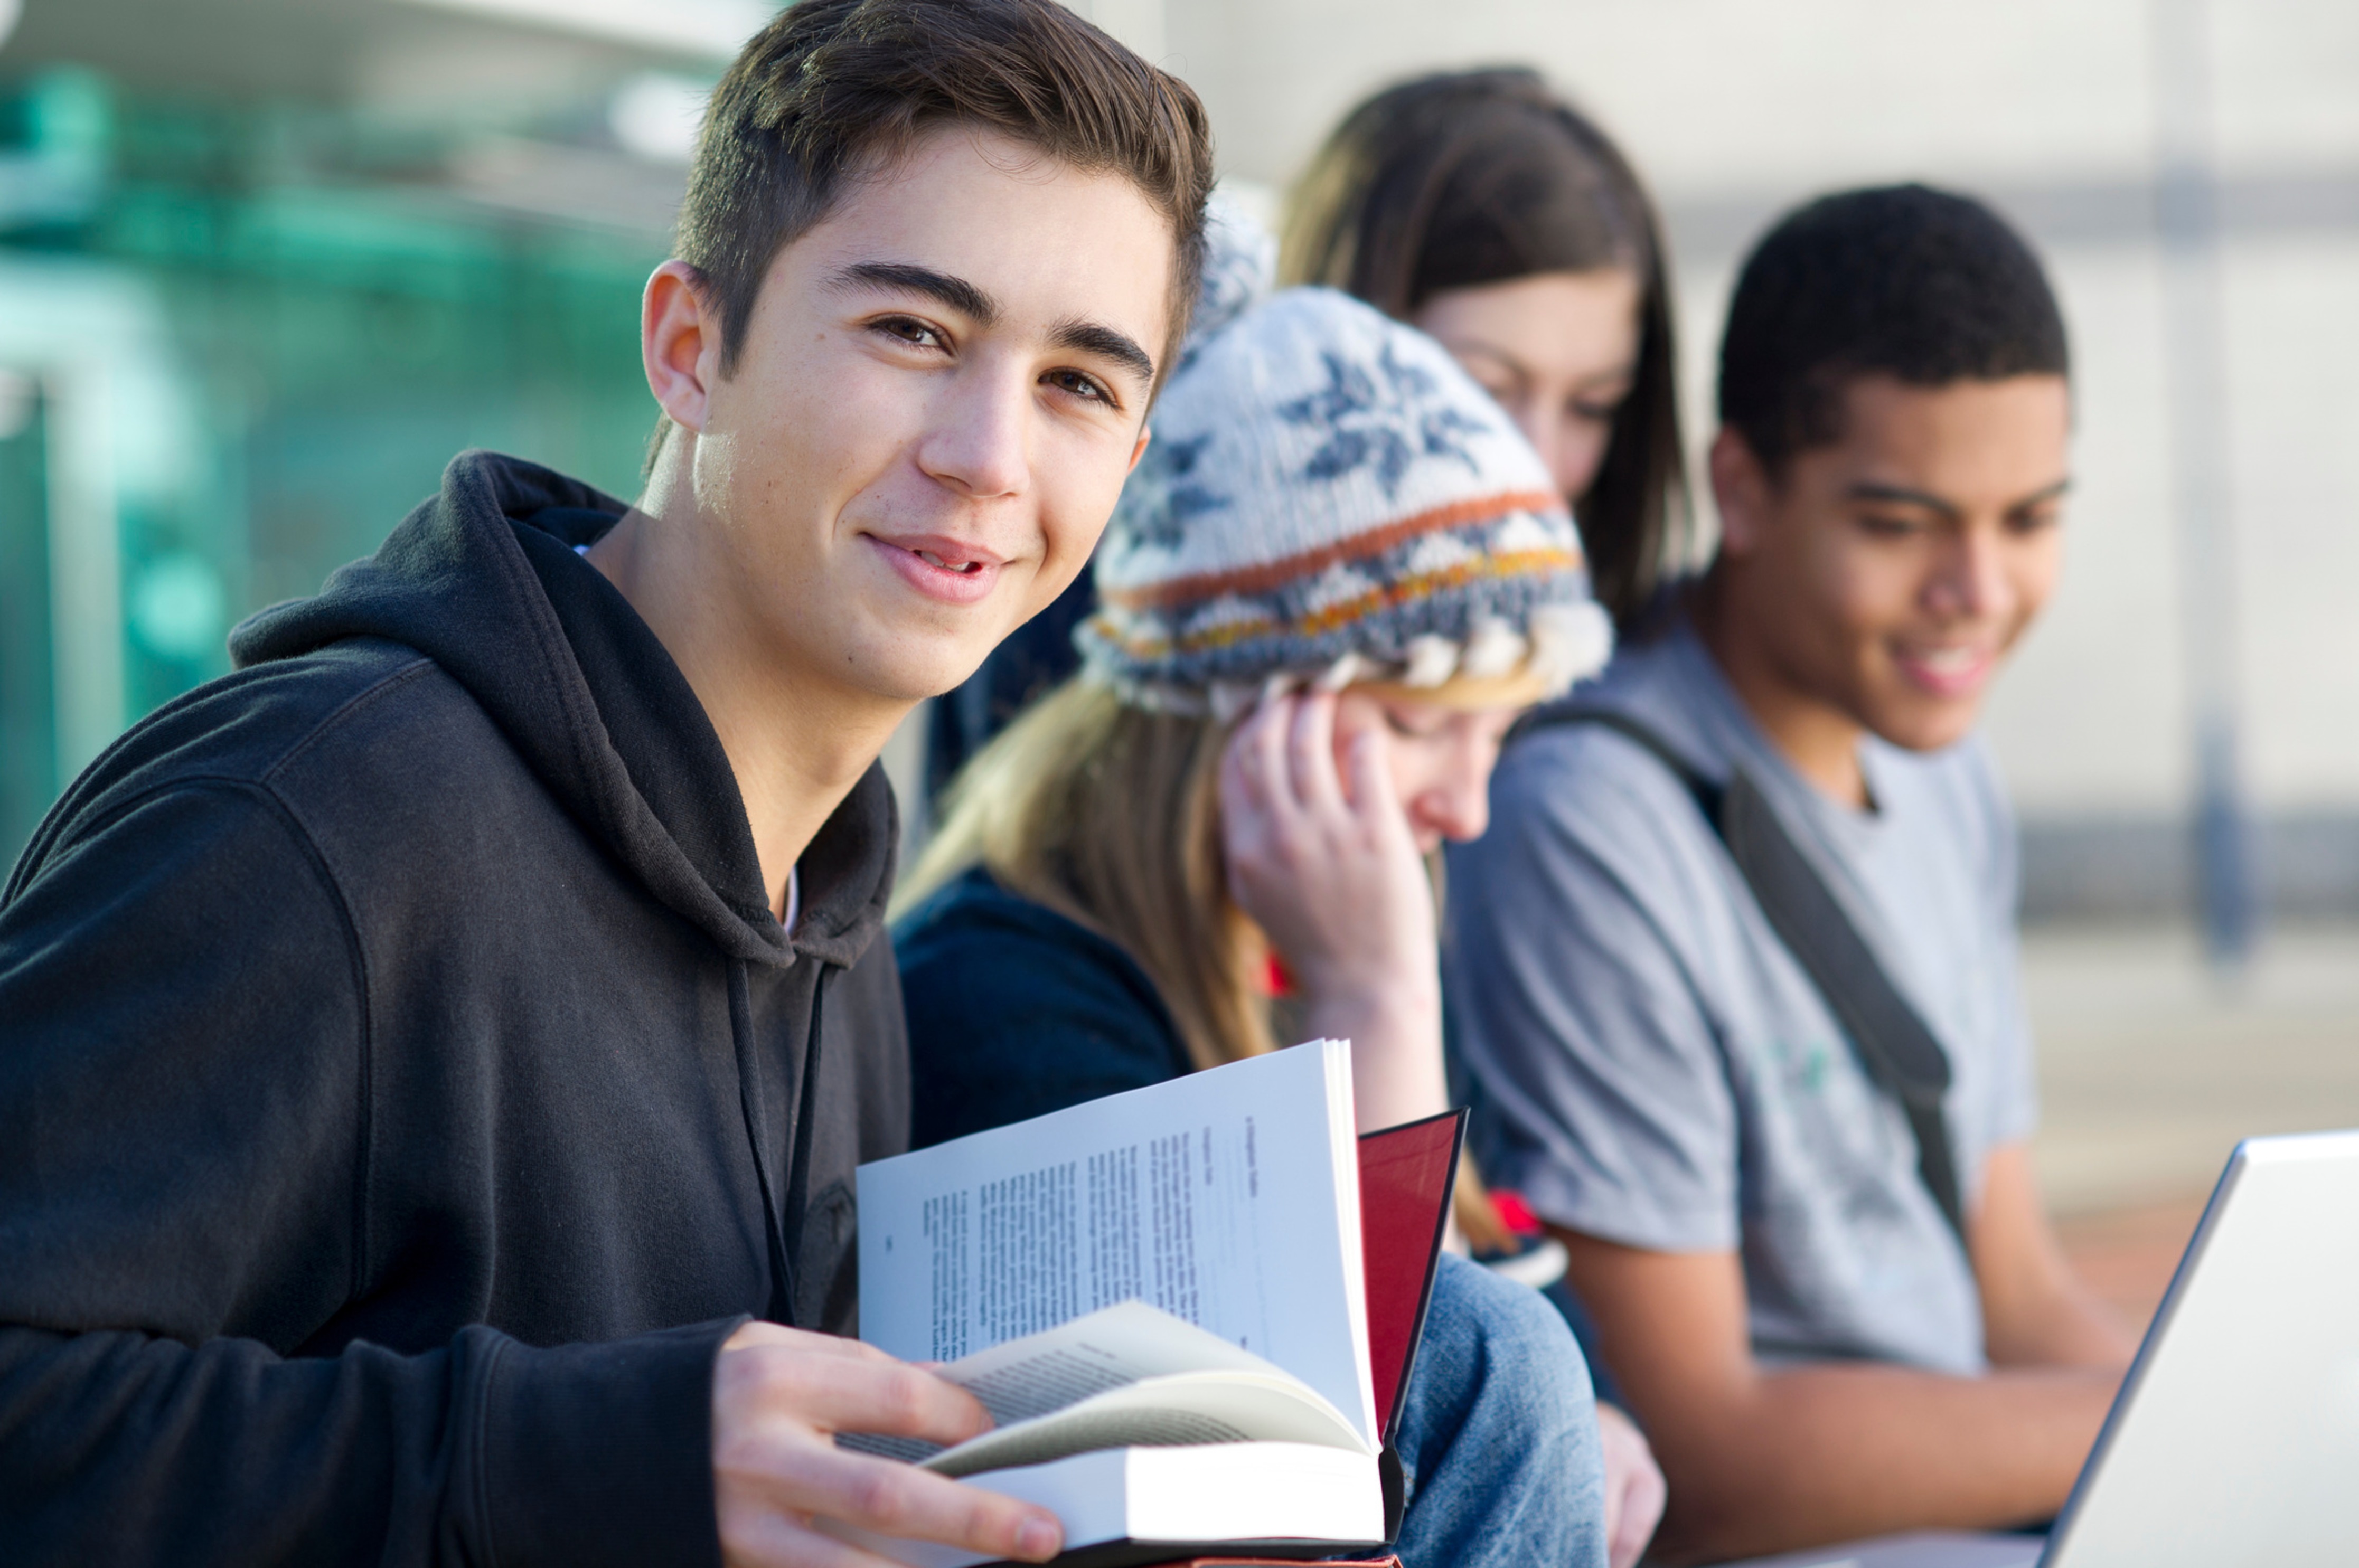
x=27 y=727
x=319 y=324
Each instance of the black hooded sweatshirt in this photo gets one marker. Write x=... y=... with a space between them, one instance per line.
x=404 y=1087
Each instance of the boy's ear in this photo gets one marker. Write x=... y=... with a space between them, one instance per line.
x=1146 y=434
x=1741 y=489
x=679 y=342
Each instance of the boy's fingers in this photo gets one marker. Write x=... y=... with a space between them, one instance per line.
x=909 y=1504
x=777 y=1333
x=843 y=1393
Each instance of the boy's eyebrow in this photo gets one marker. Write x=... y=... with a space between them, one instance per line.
x=1867 y=490
x=1091 y=337
x=2049 y=493
x=956 y=293
x=959 y=294
x=1900 y=494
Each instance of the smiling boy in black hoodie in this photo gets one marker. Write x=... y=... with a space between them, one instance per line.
x=423 y=1051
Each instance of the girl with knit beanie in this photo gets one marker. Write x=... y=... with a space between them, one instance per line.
x=1335 y=579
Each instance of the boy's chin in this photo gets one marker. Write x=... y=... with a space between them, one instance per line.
x=915 y=674
x=1922 y=725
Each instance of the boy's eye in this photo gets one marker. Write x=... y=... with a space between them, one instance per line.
x=1079 y=384
x=1887 y=527
x=909 y=330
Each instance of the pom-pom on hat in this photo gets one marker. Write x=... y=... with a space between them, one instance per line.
x=1329 y=499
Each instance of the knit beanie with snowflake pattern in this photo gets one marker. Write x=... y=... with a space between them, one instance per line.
x=1329 y=498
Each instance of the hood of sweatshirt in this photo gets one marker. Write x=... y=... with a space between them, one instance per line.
x=483 y=579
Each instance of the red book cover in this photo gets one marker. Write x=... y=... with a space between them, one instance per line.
x=1405 y=1176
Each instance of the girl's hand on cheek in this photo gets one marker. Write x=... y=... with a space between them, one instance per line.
x=1321 y=859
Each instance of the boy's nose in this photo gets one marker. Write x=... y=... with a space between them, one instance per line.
x=979 y=446
x=1972 y=581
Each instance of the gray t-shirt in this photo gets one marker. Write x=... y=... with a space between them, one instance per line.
x=1649 y=1064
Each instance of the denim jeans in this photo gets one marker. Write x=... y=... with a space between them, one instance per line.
x=1498 y=1440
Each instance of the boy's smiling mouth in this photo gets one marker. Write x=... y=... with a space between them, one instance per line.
x=1947 y=669
x=948 y=570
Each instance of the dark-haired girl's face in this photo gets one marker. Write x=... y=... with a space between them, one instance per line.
x=1557 y=349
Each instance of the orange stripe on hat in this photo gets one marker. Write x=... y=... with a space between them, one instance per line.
x=1359 y=546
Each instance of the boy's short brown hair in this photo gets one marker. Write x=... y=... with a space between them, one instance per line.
x=833 y=89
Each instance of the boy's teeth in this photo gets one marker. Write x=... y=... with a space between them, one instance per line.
x=932 y=559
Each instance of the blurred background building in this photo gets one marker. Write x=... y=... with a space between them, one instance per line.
x=265 y=264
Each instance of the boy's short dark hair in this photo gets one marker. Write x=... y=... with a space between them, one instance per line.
x=833 y=90
x=1919 y=285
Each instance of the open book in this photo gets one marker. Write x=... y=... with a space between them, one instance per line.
x=1189 y=1309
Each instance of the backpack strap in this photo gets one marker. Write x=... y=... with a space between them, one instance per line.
x=1894 y=1045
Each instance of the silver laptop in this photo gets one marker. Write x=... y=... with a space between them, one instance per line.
x=2236 y=1437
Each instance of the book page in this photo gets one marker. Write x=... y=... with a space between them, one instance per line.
x=1110 y=1348
x=1082 y=1369
x=1161 y=1412
x=1228 y=1198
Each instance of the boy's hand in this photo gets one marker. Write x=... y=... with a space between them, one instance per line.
x=1635 y=1492
x=780 y=1395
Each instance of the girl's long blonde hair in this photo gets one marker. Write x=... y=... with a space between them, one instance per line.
x=1110 y=815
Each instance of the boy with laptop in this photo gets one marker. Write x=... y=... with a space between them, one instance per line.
x=1733 y=971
